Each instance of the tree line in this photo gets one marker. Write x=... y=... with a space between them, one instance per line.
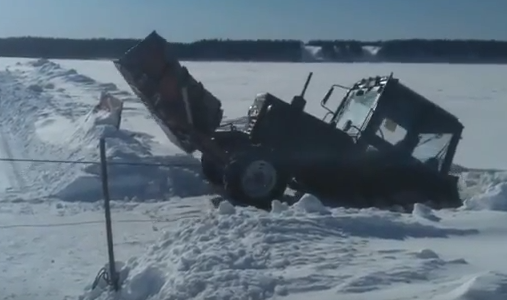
x=415 y=50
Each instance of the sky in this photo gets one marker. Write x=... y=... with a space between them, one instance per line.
x=191 y=20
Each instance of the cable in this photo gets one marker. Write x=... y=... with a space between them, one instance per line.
x=89 y=222
x=98 y=163
x=101 y=275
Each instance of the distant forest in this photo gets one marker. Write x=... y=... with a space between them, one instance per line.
x=416 y=50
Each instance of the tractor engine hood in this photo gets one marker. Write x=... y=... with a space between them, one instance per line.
x=185 y=110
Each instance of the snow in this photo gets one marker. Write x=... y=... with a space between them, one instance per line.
x=312 y=53
x=66 y=114
x=171 y=243
x=492 y=199
x=371 y=50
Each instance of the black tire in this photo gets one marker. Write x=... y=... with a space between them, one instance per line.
x=272 y=182
x=211 y=171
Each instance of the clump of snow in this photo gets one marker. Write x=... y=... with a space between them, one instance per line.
x=474 y=182
x=311 y=204
x=425 y=212
x=427 y=254
x=226 y=208
x=494 y=198
x=278 y=207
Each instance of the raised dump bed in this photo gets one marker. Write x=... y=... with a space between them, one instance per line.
x=180 y=104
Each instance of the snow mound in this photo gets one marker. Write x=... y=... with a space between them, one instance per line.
x=309 y=203
x=46 y=125
x=474 y=182
x=493 y=198
x=241 y=253
x=51 y=76
x=278 y=207
x=425 y=212
x=226 y=208
x=427 y=254
x=488 y=286
x=52 y=70
x=132 y=172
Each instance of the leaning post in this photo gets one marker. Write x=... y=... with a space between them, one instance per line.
x=107 y=209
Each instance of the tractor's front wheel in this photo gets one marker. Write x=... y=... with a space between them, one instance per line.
x=252 y=177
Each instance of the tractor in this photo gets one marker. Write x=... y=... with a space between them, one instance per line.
x=382 y=143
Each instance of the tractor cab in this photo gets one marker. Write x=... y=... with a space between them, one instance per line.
x=383 y=115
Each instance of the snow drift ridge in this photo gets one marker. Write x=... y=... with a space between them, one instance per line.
x=237 y=253
x=57 y=125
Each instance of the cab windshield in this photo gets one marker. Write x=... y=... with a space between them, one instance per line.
x=357 y=110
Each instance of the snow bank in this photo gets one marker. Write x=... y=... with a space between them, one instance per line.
x=53 y=70
x=485 y=286
x=484 y=190
x=60 y=125
x=241 y=253
x=133 y=178
x=494 y=198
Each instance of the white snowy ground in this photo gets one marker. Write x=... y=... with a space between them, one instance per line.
x=173 y=245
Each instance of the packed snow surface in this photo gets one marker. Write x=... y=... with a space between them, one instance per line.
x=171 y=243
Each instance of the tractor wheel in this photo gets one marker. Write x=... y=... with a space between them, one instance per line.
x=211 y=170
x=254 y=178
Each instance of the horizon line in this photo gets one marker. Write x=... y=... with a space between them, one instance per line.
x=265 y=39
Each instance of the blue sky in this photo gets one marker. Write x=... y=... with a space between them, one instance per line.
x=189 y=20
